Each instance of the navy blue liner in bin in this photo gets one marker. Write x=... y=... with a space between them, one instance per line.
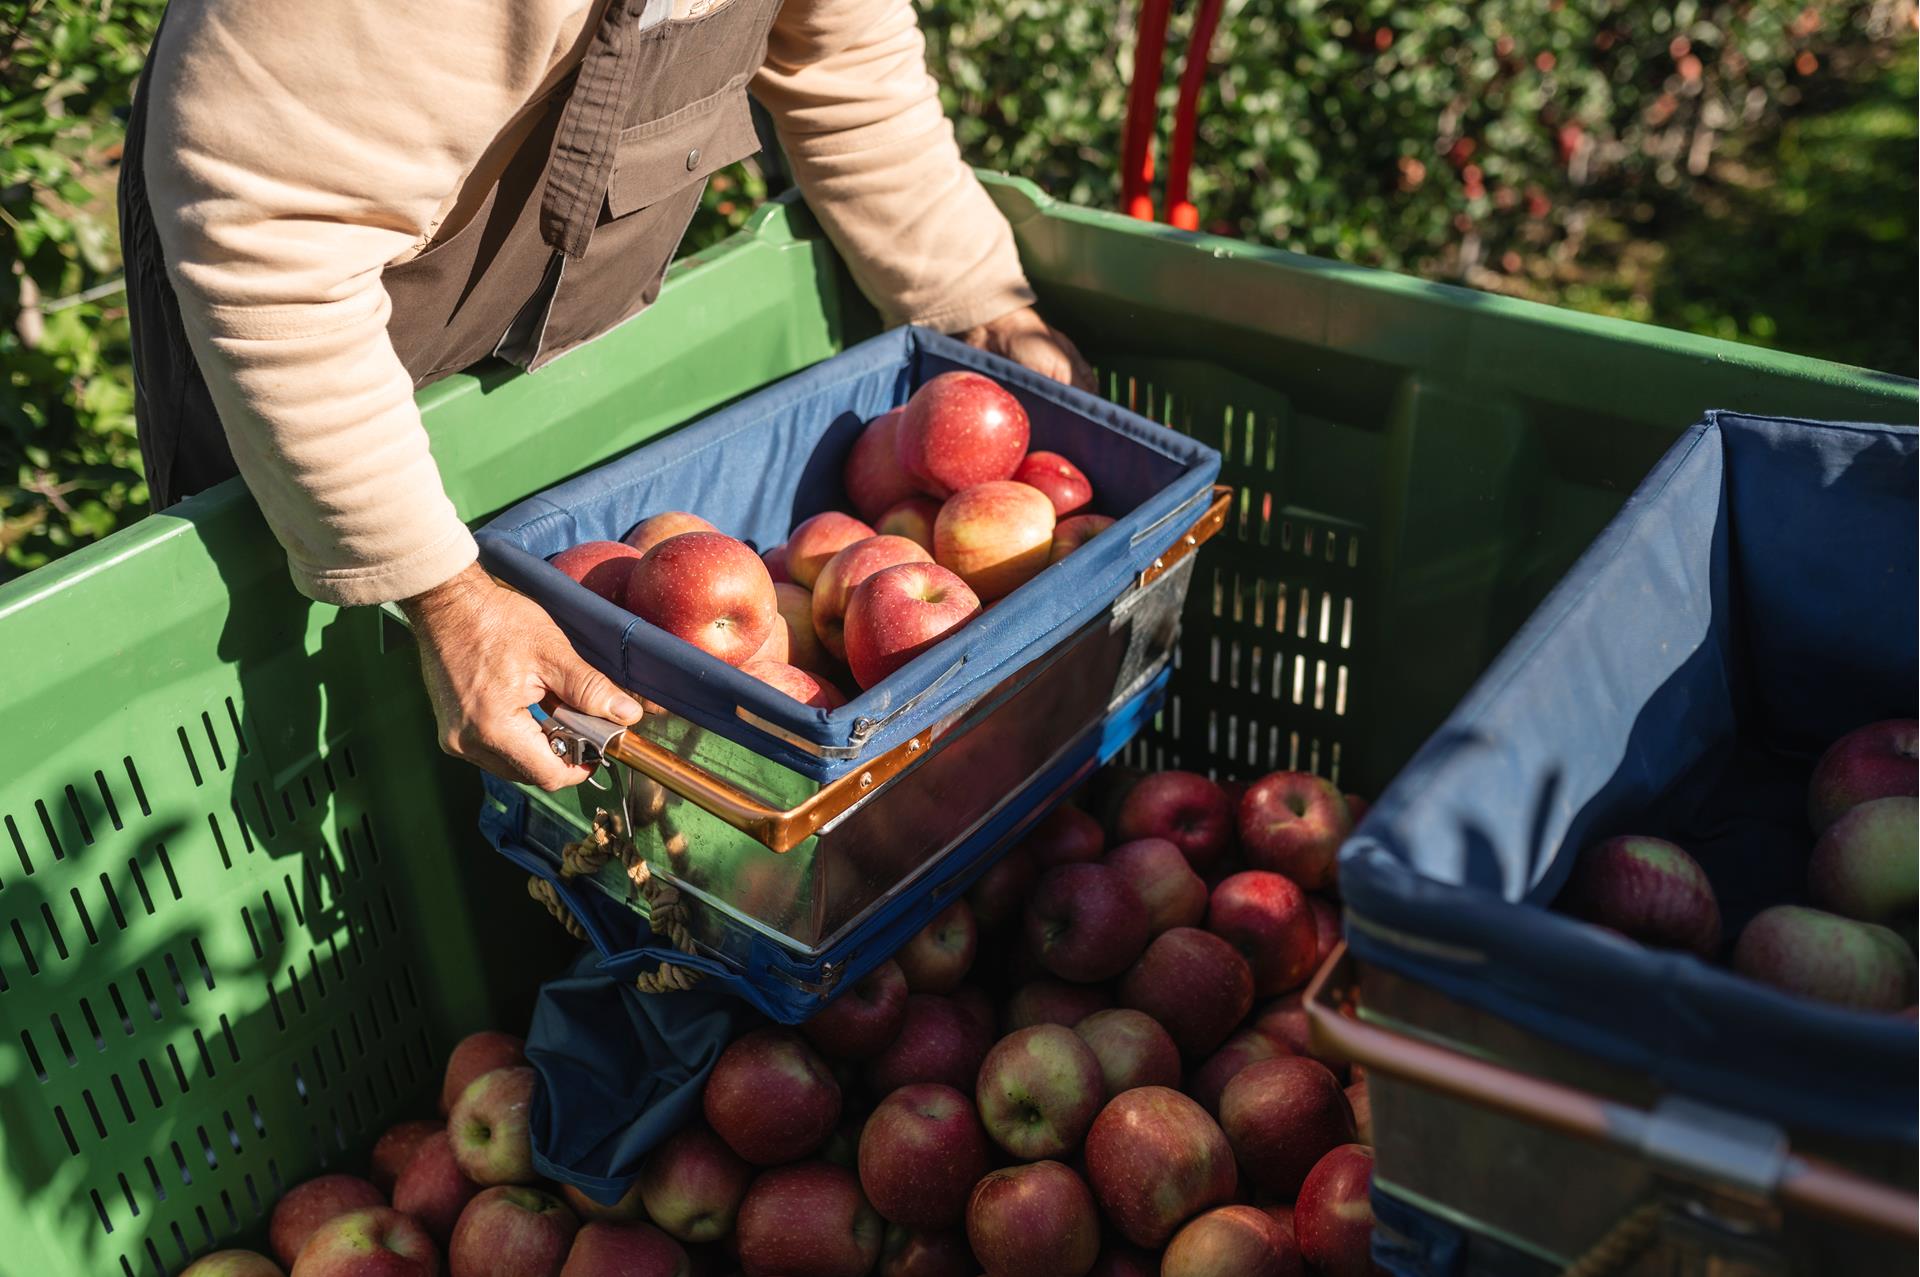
x=1753 y=601
x=758 y=467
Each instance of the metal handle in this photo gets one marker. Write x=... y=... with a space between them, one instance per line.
x=1808 y=1183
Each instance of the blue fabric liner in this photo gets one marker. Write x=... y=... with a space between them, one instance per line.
x=1754 y=600
x=760 y=466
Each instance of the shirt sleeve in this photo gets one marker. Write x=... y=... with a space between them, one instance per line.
x=847 y=85
x=292 y=152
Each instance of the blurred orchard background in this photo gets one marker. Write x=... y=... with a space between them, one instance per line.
x=1743 y=169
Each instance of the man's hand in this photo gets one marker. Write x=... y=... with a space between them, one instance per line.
x=486 y=654
x=1025 y=338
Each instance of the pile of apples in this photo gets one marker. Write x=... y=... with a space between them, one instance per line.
x=1856 y=948
x=953 y=514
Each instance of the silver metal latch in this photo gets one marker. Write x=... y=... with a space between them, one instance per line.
x=579 y=739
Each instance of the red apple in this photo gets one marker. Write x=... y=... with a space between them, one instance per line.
x=512 y=1231
x=1132 y=1048
x=1285 y=1021
x=1293 y=823
x=1249 y=1046
x=794 y=603
x=1280 y=1116
x=1055 y=1002
x=1036 y=1220
x=913 y=519
x=862 y=1020
x=994 y=536
x=999 y=895
x=818 y=539
x=920 y=1154
x=299 y=1214
x=1064 y=836
x=960 y=429
x=1867 y=864
x=1333 y=1217
x=233 y=1263
x=1240 y=1240
x=940 y=954
x=433 y=1189
x=906 y=1253
x=1281 y=1213
x=771 y=1098
x=873 y=476
x=1647 y=889
x=488 y=1127
x=939 y=1041
x=1326 y=929
x=1156 y=1160
x=605 y=1249
x=776 y=561
x=625 y=1210
x=900 y=612
x=1186 y=809
x=807 y=1220
x=846 y=570
x=1824 y=956
x=1159 y=874
x=478 y=1053
x=1070 y=534
x=1362 y=1106
x=601 y=566
x=975 y=1002
x=809 y=690
x=1194 y=983
x=393 y=1150
x=1268 y=920
x=1085 y=922
x=779 y=644
x=1357 y=808
x=1875 y=761
x=692 y=1185
x=1117 y=1259
x=706 y=589
x=375 y=1241
x=1058 y=478
x=661 y=527
x=1039 y=1091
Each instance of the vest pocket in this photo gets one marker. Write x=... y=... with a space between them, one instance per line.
x=655 y=159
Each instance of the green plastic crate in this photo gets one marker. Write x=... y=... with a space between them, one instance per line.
x=243 y=907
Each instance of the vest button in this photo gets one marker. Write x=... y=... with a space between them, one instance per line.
x=693 y=159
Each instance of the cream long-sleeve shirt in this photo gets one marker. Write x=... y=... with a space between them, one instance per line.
x=294 y=151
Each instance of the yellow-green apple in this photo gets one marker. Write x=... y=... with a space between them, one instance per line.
x=1875 y=761
x=512 y=1229
x=394 y=1149
x=1185 y=808
x=913 y=519
x=1193 y=982
x=1822 y=955
x=478 y=1053
x=771 y=1098
x=818 y=539
x=807 y=1220
x=776 y=561
x=488 y=1127
x=1280 y=1116
x=1039 y=1090
x=1241 y=1240
x=1059 y=478
x=1155 y=1160
x=604 y=1248
x=834 y=587
x=940 y=954
x=692 y=1184
x=1071 y=533
x=234 y=1263
x=1248 y=1046
x=999 y=895
x=873 y=476
x=939 y=1041
x=1055 y=1002
x=1268 y=920
x=907 y=1253
x=810 y=690
x=1085 y=923
x=1647 y=889
x=862 y=1020
x=706 y=589
x=994 y=536
x=1333 y=1216
x=1867 y=864
x=306 y=1206
x=1064 y=836
x=1132 y=1048
x=1117 y=1259
x=1361 y=1103
x=1293 y=823
x=374 y=1241
x=1036 y=1220
x=960 y=429
x=433 y=1189
x=900 y=612
x=601 y=566
x=1163 y=879
x=652 y=531
x=921 y=1152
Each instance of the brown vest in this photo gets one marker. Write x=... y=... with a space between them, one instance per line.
x=572 y=239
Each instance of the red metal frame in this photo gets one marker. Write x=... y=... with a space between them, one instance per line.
x=1136 y=159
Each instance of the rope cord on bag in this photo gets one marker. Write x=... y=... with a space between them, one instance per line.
x=1631 y=1234
x=666 y=913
